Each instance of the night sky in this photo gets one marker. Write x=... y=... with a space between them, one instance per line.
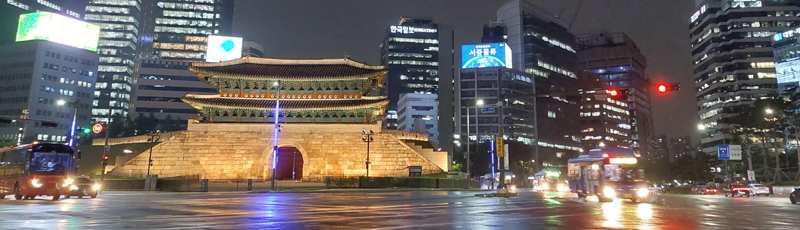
x=333 y=29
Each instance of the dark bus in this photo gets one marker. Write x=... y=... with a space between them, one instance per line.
x=38 y=169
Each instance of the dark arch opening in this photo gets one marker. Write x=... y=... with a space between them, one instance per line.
x=290 y=164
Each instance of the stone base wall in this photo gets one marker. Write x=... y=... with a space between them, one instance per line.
x=221 y=151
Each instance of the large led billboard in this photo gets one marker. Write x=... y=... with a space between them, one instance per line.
x=485 y=55
x=788 y=72
x=221 y=48
x=57 y=28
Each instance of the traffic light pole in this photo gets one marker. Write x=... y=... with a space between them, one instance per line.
x=106 y=148
x=501 y=160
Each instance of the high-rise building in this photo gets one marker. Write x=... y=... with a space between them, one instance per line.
x=161 y=84
x=605 y=121
x=542 y=46
x=486 y=85
x=11 y=9
x=410 y=52
x=614 y=61
x=419 y=109
x=660 y=149
x=179 y=29
x=679 y=147
x=419 y=55
x=733 y=58
x=119 y=22
x=46 y=84
x=786 y=48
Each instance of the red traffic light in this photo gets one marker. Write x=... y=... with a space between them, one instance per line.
x=105 y=157
x=662 y=88
x=613 y=92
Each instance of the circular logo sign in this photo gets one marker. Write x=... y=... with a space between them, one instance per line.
x=97 y=128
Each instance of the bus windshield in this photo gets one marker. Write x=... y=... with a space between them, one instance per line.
x=624 y=174
x=50 y=159
x=50 y=163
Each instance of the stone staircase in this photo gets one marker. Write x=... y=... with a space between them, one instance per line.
x=430 y=151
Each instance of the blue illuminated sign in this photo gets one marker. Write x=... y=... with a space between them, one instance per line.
x=485 y=56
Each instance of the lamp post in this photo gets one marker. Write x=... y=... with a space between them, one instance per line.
x=277 y=85
x=478 y=104
x=367 y=137
x=74 y=104
x=153 y=138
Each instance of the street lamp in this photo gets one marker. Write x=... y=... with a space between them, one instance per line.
x=74 y=117
x=367 y=137
x=768 y=110
x=153 y=138
x=478 y=103
x=277 y=85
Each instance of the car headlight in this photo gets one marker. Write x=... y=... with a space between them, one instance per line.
x=96 y=187
x=68 y=182
x=73 y=187
x=609 y=192
x=642 y=192
x=513 y=187
x=545 y=186
x=35 y=183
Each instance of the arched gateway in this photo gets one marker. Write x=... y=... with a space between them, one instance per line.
x=290 y=164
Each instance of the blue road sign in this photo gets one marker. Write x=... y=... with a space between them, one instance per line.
x=487 y=110
x=723 y=152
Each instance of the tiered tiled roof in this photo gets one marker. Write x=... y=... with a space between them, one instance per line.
x=253 y=68
x=201 y=101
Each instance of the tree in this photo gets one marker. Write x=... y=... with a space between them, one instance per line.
x=169 y=125
x=6 y=143
x=695 y=168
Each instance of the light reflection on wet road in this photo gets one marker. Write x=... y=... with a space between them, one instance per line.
x=400 y=210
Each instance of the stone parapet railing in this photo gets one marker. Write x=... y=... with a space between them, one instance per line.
x=133 y=139
x=407 y=136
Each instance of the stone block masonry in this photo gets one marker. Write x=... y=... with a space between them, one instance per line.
x=226 y=151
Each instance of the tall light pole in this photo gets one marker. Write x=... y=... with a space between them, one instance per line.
x=153 y=138
x=478 y=104
x=74 y=104
x=367 y=137
x=277 y=85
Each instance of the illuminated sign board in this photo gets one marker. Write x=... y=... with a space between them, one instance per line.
x=622 y=161
x=697 y=13
x=485 y=56
x=221 y=48
x=788 y=71
x=785 y=35
x=58 y=28
x=410 y=30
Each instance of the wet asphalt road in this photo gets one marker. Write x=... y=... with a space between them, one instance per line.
x=398 y=210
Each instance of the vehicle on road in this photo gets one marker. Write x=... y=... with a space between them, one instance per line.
x=608 y=173
x=759 y=189
x=794 y=197
x=83 y=187
x=740 y=190
x=37 y=169
x=549 y=179
x=698 y=188
x=710 y=190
